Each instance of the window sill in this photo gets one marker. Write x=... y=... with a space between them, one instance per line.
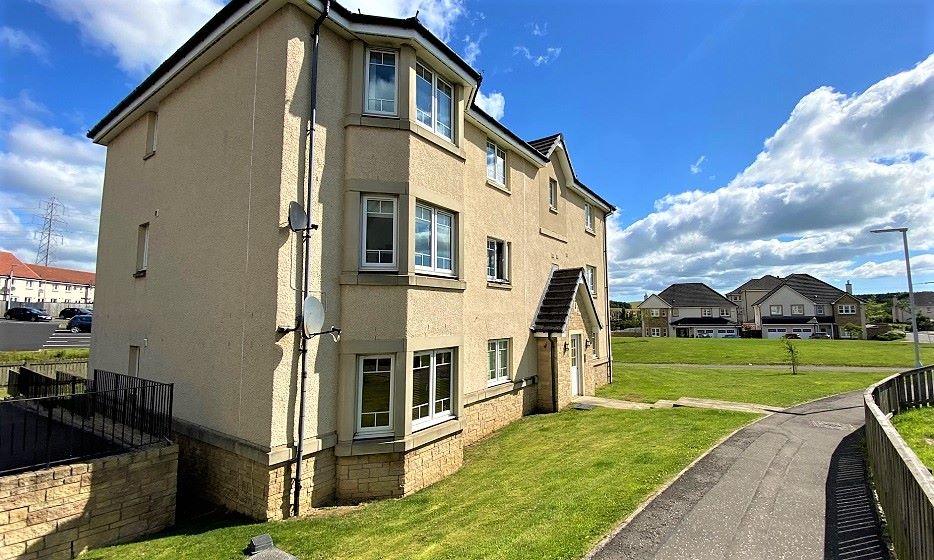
x=366 y=278
x=149 y=155
x=552 y=234
x=552 y=209
x=139 y=274
x=418 y=427
x=498 y=186
x=590 y=231
x=362 y=445
x=503 y=388
x=498 y=285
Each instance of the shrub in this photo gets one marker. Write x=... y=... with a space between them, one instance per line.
x=891 y=335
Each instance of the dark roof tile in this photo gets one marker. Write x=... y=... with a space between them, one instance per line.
x=693 y=294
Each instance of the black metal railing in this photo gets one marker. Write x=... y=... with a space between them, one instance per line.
x=115 y=412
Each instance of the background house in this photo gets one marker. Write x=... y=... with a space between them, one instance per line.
x=690 y=310
x=803 y=305
x=748 y=293
x=924 y=305
x=44 y=287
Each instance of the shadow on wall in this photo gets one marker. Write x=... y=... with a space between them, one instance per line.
x=852 y=528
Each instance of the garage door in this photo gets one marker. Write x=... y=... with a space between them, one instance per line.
x=803 y=332
x=774 y=332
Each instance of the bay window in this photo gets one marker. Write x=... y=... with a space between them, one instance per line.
x=434 y=240
x=374 y=395
x=495 y=163
x=497 y=262
x=498 y=361
x=434 y=101
x=381 y=79
x=432 y=385
x=379 y=233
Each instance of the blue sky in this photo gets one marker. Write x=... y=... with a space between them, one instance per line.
x=656 y=99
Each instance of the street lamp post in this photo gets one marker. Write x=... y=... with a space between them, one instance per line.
x=911 y=291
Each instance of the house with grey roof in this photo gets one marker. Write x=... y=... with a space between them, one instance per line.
x=748 y=293
x=924 y=305
x=689 y=310
x=804 y=306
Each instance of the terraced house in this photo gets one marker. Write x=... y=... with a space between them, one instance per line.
x=465 y=266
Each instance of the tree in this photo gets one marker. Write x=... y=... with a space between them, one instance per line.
x=854 y=331
x=878 y=311
x=792 y=351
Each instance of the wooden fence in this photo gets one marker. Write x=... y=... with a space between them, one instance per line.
x=49 y=368
x=904 y=485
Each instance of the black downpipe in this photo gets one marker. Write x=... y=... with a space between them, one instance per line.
x=606 y=286
x=306 y=247
x=554 y=372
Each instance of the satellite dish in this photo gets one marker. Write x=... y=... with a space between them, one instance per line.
x=298 y=219
x=312 y=316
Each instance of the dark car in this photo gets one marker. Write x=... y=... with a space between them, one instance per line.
x=791 y=336
x=26 y=314
x=820 y=336
x=70 y=312
x=80 y=323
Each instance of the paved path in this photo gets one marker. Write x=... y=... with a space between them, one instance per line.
x=791 y=486
x=869 y=369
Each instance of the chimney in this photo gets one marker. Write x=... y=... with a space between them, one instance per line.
x=849 y=287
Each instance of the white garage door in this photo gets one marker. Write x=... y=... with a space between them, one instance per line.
x=803 y=332
x=774 y=332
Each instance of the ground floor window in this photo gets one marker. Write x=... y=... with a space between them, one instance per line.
x=656 y=331
x=432 y=384
x=498 y=361
x=374 y=395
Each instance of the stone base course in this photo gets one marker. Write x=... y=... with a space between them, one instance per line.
x=482 y=418
x=62 y=511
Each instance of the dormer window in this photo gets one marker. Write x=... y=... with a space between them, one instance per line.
x=381 y=74
x=434 y=102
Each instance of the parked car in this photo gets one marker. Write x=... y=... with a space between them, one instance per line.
x=80 y=323
x=791 y=336
x=821 y=336
x=730 y=336
x=26 y=314
x=70 y=312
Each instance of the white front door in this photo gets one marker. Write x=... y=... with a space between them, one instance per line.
x=576 y=365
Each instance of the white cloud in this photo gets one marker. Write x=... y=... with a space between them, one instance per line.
x=539 y=30
x=142 y=33
x=19 y=40
x=838 y=167
x=21 y=105
x=549 y=55
x=472 y=48
x=696 y=166
x=39 y=162
x=437 y=15
x=494 y=104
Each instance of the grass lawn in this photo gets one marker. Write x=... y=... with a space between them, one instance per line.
x=917 y=427
x=42 y=355
x=762 y=351
x=547 y=486
x=762 y=386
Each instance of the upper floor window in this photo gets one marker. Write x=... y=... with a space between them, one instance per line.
x=381 y=74
x=379 y=233
x=553 y=194
x=736 y=298
x=654 y=312
x=498 y=357
x=818 y=309
x=142 y=249
x=588 y=216
x=432 y=383
x=434 y=240
x=797 y=309
x=674 y=312
x=495 y=163
x=724 y=312
x=374 y=394
x=497 y=260
x=846 y=309
x=590 y=274
x=775 y=310
x=706 y=312
x=434 y=101
x=152 y=130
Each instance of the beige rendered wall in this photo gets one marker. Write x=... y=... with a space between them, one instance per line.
x=205 y=313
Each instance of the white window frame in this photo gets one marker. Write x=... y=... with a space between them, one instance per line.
x=499 y=160
x=590 y=274
x=772 y=308
x=366 y=84
x=435 y=417
x=374 y=430
x=498 y=276
x=655 y=332
x=846 y=309
x=706 y=312
x=553 y=194
x=435 y=123
x=588 y=217
x=654 y=312
x=500 y=372
x=674 y=312
x=799 y=306
x=434 y=268
x=724 y=312
x=142 y=249
x=395 y=233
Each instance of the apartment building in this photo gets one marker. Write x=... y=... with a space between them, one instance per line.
x=35 y=285
x=803 y=305
x=750 y=292
x=689 y=310
x=465 y=266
